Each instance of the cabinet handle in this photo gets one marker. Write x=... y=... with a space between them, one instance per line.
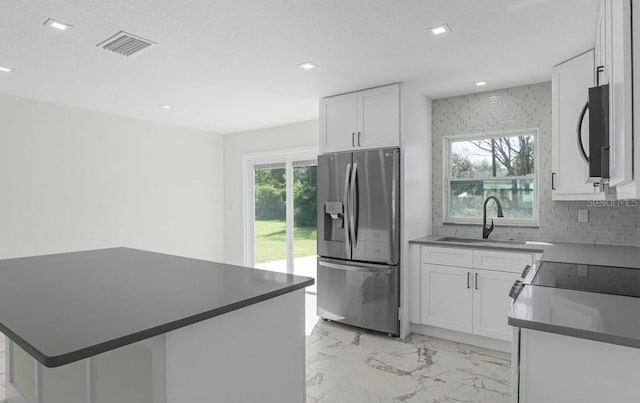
x=353 y=139
x=476 y=281
x=553 y=181
x=604 y=162
x=599 y=70
x=358 y=139
x=468 y=281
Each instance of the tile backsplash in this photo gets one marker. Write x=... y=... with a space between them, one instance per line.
x=529 y=106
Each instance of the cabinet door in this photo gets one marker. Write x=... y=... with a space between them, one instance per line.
x=600 y=31
x=446 y=297
x=631 y=190
x=491 y=303
x=570 y=83
x=379 y=117
x=338 y=123
x=513 y=262
x=620 y=91
x=459 y=257
x=602 y=54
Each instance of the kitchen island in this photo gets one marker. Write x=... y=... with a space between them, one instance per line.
x=127 y=325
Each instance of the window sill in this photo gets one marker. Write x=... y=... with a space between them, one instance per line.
x=515 y=225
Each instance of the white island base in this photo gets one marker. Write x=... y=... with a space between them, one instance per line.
x=253 y=354
x=561 y=369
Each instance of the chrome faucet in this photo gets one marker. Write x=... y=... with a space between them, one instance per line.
x=487 y=230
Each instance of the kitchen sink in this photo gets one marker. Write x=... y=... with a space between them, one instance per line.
x=475 y=241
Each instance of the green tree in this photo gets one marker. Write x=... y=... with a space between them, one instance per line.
x=305 y=196
x=514 y=154
x=270 y=194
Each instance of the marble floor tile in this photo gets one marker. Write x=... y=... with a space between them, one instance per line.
x=346 y=364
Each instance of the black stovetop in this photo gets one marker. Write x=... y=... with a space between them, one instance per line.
x=601 y=279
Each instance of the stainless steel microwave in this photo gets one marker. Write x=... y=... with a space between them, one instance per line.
x=598 y=157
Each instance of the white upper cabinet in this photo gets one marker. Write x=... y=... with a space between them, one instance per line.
x=614 y=64
x=570 y=172
x=631 y=190
x=364 y=119
x=619 y=68
x=379 y=117
x=338 y=123
x=600 y=46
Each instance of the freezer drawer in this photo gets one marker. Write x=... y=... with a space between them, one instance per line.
x=359 y=294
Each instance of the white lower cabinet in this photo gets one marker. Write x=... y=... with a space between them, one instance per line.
x=491 y=303
x=466 y=299
x=446 y=297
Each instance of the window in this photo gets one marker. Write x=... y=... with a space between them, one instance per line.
x=499 y=164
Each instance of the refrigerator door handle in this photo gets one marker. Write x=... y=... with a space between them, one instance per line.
x=354 y=268
x=353 y=207
x=395 y=219
x=347 y=214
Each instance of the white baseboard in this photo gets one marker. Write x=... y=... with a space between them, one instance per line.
x=460 y=337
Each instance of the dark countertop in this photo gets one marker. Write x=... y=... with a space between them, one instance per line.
x=580 y=253
x=493 y=244
x=601 y=317
x=587 y=315
x=67 y=307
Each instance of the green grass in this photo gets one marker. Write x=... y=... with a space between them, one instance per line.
x=271 y=241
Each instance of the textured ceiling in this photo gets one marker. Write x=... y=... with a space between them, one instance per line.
x=230 y=65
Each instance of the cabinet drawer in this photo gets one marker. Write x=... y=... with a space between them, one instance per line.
x=504 y=261
x=447 y=256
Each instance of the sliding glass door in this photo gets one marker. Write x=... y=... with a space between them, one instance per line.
x=281 y=211
x=305 y=228
x=270 y=217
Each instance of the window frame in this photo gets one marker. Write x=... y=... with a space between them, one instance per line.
x=447 y=178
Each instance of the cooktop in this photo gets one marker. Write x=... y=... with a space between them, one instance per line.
x=601 y=279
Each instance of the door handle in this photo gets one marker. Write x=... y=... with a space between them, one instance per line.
x=553 y=181
x=476 y=281
x=583 y=153
x=353 y=209
x=358 y=139
x=347 y=240
x=354 y=268
x=353 y=139
x=468 y=280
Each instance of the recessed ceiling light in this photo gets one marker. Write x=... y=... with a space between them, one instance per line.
x=307 y=66
x=480 y=83
x=5 y=69
x=166 y=106
x=57 y=24
x=440 y=29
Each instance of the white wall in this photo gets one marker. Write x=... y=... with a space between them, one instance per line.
x=72 y=179
x=297 y=135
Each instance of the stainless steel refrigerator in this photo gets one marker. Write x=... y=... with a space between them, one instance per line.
x=359 y=238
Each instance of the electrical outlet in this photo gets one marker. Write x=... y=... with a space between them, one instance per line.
x=583 y=215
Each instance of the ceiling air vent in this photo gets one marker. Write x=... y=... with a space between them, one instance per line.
x=126 y=44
